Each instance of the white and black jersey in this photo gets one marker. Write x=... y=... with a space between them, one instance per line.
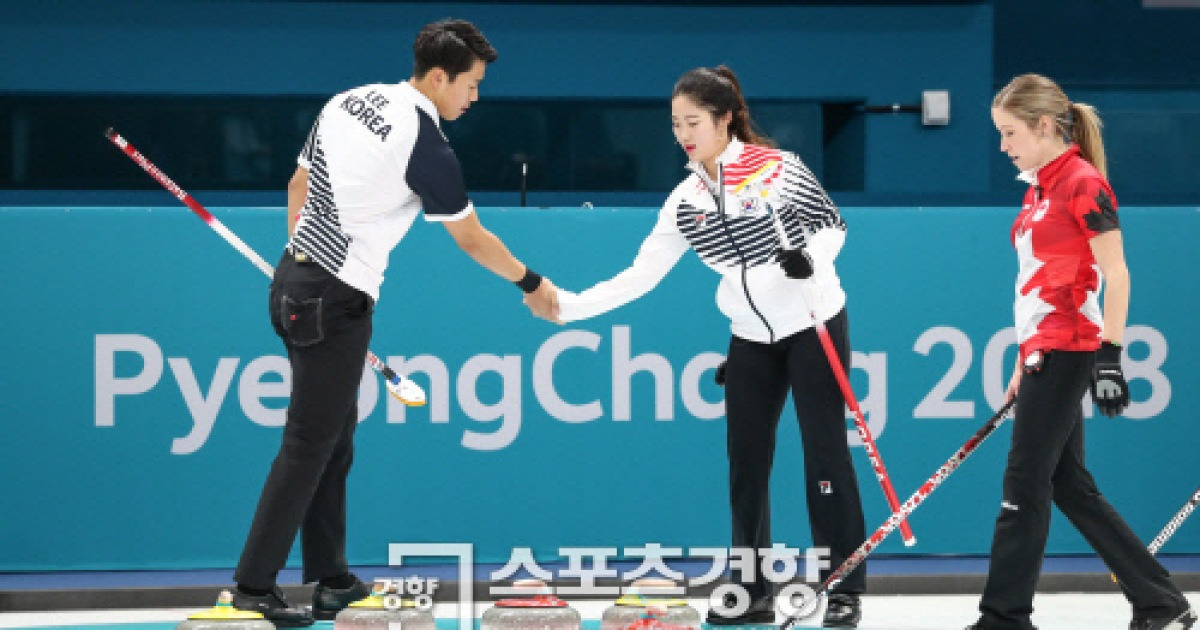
x=730 y=227
x=376 y=157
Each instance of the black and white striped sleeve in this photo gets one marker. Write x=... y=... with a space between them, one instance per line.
x=306 y=154
x=659 y=252
x=809 y=215
x=806 y=198
x=435 y=175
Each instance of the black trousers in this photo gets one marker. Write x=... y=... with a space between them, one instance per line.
x=757 y=380
x=1046 y=464
x=326 y=326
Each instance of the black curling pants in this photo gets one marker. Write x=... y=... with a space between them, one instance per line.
x=1046 y=464
x=326 y=326
x=758 y=377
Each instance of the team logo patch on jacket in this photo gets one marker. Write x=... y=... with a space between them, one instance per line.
x=1104 y=217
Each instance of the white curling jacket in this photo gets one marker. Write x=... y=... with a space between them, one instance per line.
x=762 y=303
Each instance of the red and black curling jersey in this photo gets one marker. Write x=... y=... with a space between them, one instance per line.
x=1058 y=286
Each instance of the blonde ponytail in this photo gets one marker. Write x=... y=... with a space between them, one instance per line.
x=1085 y=130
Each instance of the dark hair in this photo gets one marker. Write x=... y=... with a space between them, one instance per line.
x=717 y=90
x=452 y=45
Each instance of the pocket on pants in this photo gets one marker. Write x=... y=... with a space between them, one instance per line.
x=302 y=320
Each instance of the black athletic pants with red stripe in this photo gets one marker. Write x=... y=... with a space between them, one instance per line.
x=1046 y=464
x=326 y=326
x=758 y=377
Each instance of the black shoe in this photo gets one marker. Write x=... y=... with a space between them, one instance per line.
x=844 y=610
x=1183 y=621
x=275 y=607
x=761 y=611
x=329 y=601
x=979 y=625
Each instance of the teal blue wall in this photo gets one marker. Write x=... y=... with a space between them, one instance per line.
x=1138 y=65
x=876 y=54
x=1105 y=44
x=139 y=493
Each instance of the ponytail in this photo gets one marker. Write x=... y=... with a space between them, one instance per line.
x=1085 y=131
x=741 y=126
x=718 y=91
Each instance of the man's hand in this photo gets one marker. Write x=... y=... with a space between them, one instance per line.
x=543 y=301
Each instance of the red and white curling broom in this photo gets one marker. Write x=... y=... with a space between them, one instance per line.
x=404 y=389
x=839 y=371
x=809 y=606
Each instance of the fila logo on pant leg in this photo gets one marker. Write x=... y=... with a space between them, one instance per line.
x=1009 y=506
x=826 y=487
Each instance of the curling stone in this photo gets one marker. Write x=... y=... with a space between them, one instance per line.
x=652 y=620
x=381 y=608
x=224 y=616
x=632 y=606
x=539 y=611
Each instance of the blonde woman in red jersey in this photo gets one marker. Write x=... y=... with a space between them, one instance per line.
x=1068 y=241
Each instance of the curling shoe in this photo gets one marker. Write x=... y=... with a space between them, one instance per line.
x=275 y=607
x=844 y=610
x=761 y=611
x=1183 y=621
x=329 y=601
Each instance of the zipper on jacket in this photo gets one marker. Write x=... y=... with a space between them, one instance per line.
x=719 y=197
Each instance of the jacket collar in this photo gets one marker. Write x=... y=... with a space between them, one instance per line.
x=423 y=102
x=728 y=156
x=1049 y=173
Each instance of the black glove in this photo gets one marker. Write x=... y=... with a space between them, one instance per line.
x=796 y=263
x=1109 y=389
x=719 y=377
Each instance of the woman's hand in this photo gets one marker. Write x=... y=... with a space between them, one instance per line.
x=1013 y=384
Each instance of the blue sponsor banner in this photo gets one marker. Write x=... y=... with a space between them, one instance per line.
x=144 y=389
